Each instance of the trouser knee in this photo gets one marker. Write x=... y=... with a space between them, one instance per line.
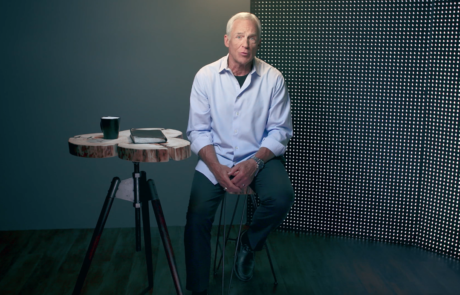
x=198 y=222
x=280 y=201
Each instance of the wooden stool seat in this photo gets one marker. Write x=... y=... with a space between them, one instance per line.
x=247 y=191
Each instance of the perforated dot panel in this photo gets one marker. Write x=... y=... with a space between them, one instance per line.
x=375 y=104
x=438 y=224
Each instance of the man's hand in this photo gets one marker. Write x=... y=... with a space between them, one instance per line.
x=238 y=178
x=243 y=174
x=221 y=172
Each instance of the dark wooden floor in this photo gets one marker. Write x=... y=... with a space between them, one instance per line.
x=48 y=262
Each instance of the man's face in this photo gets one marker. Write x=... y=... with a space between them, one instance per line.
x=242 y=43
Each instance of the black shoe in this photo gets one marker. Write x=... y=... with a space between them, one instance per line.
x=205 y=292
x=244 y=266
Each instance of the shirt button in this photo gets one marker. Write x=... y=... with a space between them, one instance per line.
x=235 y=131
x=236 y=148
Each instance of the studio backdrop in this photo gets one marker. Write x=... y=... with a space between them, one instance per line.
x=375 y=105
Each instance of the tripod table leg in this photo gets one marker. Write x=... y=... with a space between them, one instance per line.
x=164 y=235
x=137 y=205
x=147 y=241
x=96 y=235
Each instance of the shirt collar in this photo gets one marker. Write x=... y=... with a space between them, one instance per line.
x=255 y=66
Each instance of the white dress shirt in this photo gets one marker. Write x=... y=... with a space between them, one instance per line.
x=236 y=120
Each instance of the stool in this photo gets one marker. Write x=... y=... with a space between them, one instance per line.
x=226 y=236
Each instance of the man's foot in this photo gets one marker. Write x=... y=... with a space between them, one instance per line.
x=244 y=266
x=205 y=292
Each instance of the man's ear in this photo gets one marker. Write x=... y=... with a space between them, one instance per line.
x=226 y=40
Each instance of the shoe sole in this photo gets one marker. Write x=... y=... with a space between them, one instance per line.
x=238 y=276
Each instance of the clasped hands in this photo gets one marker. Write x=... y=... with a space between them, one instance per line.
x=235 y=180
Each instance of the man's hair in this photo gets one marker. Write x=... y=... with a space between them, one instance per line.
x=244 y=15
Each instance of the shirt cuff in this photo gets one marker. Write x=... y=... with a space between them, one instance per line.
x=200 y=143
x=274 y=146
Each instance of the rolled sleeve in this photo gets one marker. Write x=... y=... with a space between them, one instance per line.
x=274 y=146
x=199 y=123
x=279 y=123
x=200 y=142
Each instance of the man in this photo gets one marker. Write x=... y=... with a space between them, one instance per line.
x=239 y=125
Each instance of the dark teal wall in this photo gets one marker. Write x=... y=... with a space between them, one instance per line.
x=64 y=64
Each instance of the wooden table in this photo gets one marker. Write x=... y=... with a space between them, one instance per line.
x=137 y=189
x=94 y=146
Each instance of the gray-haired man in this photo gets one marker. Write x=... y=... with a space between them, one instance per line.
x=239 y=125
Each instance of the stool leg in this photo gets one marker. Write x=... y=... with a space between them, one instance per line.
x=226 y=237
x=238 y=241
x=96 y=235
x=224 y=201
x=233 y=217
x=216 y=266
x=164 y=235
x=271 y=264
x=254 y=204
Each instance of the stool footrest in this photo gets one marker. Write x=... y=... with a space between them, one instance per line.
x=226 y=237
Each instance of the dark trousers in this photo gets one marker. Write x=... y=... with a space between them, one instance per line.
x=274 y=189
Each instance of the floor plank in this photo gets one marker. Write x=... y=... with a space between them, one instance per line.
x=66 y=278
x=116 y=276
x=14 y=244
x=101 y=262
x=54 y=247
x=138 y=275
x=48 y=262
x=19 y=273
x=163 y=282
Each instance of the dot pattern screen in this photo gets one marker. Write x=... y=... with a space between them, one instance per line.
x=375 y=104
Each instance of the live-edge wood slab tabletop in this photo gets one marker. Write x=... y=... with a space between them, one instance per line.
x=95 y=146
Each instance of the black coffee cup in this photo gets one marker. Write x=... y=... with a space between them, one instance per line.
x=110 y=126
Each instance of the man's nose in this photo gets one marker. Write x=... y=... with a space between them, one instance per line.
x=246 y=42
